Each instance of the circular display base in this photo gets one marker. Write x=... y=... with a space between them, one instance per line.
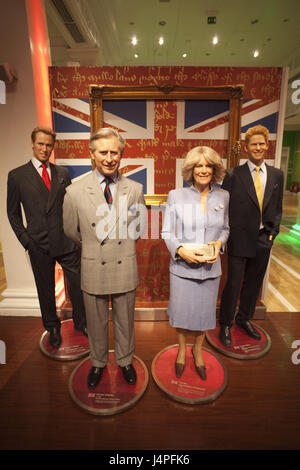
x=74 y=345
x=113 y=394
x=243 y=346
x=189 y=388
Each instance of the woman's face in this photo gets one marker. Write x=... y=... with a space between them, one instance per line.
x=202 y=173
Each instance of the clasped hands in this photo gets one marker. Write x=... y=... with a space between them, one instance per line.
x=194 y=256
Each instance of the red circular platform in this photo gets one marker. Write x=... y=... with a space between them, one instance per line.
x=243 y=346
x=74 y=345
x=112 y=395
x=190 y=388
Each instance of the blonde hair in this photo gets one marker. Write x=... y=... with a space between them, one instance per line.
x=259 y=129
x=212 y=158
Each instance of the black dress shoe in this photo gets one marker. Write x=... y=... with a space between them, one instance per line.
x=82 y=330
x=55 y=338
x=94 y=376
x=249 y=328
x=129 y=374
x=225 y=336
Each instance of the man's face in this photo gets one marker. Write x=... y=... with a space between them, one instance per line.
x=257 y=148
x=42 y=146
x=107 y=155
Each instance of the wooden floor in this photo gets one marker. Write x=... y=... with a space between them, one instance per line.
x=259 y=409
x=284 y=273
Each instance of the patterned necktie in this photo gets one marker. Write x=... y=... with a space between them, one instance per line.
x=258 y=187
x=45 y=176
x=107 y=193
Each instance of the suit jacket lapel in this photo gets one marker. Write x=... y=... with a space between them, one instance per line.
x=94 y=191
x=35 y=180
x=269 y=186
x=247 y=179
x=54 y=187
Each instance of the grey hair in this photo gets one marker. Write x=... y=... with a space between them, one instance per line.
x=104 y=133
x=192 y=159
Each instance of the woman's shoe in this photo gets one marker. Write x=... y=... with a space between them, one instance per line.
x=201 y=370
x=179 y=368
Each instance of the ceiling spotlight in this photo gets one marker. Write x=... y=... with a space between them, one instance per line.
x=134 y=41
x=184 y=55
x=161 y=41
x=136 y=56
x=256 y=53
x=215 y=40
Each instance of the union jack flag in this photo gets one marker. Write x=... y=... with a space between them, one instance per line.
x=133 y=119
x=208 y=119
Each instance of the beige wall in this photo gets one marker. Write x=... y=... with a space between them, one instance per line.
x=17 y=119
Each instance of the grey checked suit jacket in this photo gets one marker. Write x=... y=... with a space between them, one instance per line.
x=107 y=237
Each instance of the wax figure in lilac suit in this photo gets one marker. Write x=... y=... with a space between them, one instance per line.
x=197 y=214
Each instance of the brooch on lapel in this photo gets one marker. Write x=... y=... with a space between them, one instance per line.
x=220 y=206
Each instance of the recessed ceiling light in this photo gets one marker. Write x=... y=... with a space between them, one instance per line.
x=136 y=56
x=134 y=41
x=161 y=41
x=184 y=55
x=162 y=23
x=215 y=40
x=256 y=53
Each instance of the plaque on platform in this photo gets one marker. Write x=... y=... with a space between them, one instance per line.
x=189 y=388
x=243 y=346
x=113 y=394
x=74 y=344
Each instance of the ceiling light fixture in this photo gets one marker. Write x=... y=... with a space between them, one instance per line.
x=134 y=41
x=161 y=41
x=136 y=56
x=184 y=55
x=256 y=53
x=215 y=40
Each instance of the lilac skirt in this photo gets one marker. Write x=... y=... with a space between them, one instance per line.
x=192 y=303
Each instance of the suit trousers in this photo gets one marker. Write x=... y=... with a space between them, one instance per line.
x=253 y=270
x=97 y=314
x=43 y=266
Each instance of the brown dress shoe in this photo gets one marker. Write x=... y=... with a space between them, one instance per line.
x=201 y=370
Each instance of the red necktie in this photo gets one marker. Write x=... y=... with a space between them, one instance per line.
x=45 y=176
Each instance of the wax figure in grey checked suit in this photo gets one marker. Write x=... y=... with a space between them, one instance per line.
x=107 y=234
x=42 y=234
x=252 y=232
x=198 y=215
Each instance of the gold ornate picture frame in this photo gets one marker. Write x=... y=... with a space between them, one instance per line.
x=232 y=93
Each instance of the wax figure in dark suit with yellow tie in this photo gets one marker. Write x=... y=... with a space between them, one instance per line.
x=102 y=213
x=39 y=187
x=255 y=211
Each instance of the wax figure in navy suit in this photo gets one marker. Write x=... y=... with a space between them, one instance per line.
x=42 y=232
x=107 y=230
x=252 y=232
x=197 y=214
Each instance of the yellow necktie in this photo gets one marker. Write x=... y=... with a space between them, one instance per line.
x=258 y=187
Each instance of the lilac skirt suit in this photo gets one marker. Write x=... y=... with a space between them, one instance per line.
x=194 y=287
